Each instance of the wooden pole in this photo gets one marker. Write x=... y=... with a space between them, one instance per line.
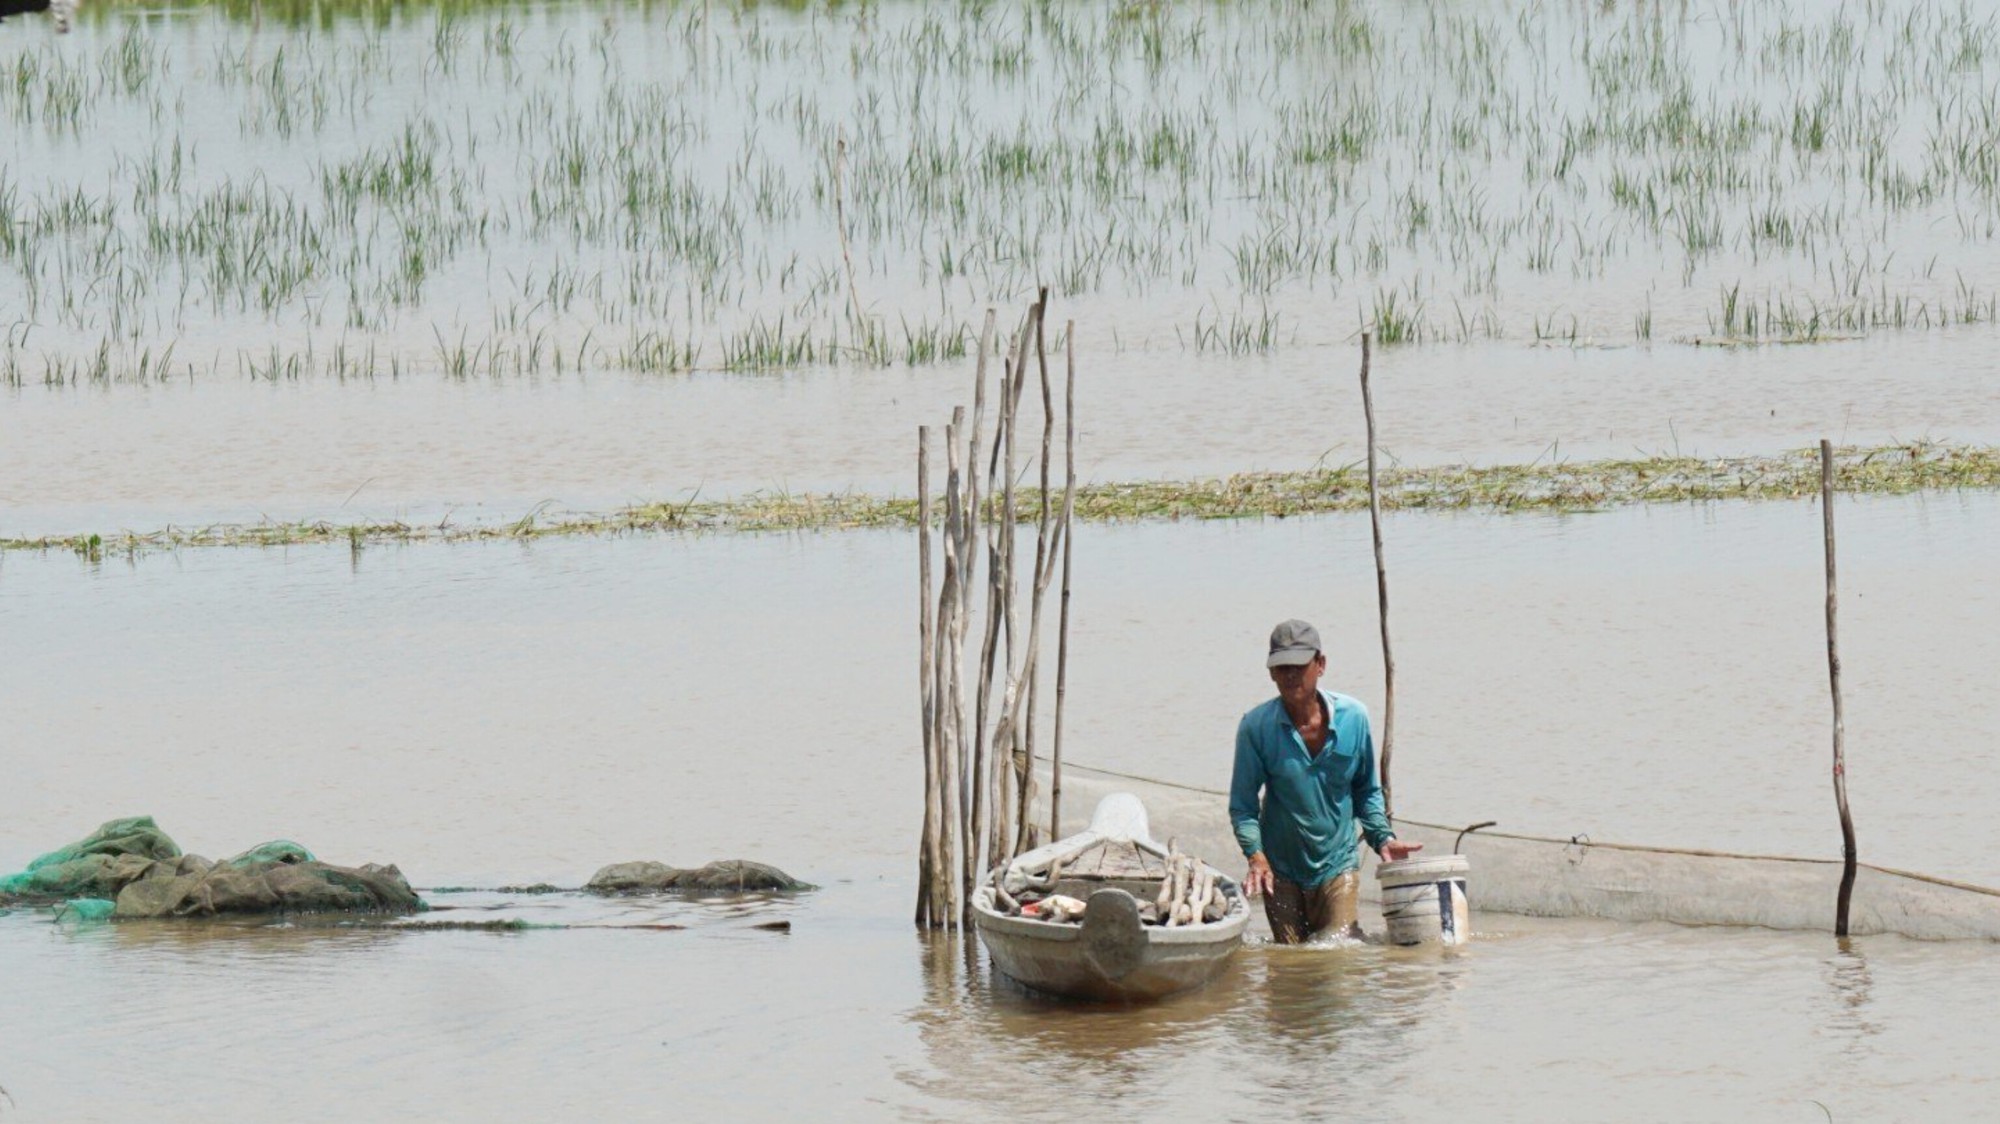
x=1005 y=611
x=944 y=871
x=981 y=810
x=1381 y=593
x=951 y=763
x=1068 y=537
x=988 y=649
x=1833 y=674
x=951 y=621
x=1011 y=698
x=996 y=577
x=926 y=655
x=1044 y=569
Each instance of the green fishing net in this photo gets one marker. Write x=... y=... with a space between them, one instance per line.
x=94 y=866
x=85 y=909
x=134 y=868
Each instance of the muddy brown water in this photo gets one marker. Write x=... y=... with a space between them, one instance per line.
x=853 y=1016
x=506 y=713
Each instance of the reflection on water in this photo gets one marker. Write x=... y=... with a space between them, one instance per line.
x=1852 y=987
x=1296 y=1010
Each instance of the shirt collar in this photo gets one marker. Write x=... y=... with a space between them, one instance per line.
x=1331 y=700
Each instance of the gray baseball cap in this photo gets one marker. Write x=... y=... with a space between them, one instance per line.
x=1293 y=643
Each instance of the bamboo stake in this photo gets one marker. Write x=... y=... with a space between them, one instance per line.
x=1005 y=611
x=981 y=810
x=944 y=869
x=1847 y=855
x=995 y=601
x=949 y=625
x=927 y=850
x=948 y=599
x=1068 y=537
x=968 y=542
x=1011 y=698
x=1381 y=594
x=1044 y=568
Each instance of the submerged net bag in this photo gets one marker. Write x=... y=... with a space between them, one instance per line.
x=236 y=886
x=655 y=878
x=133 y=864
x=93 y=867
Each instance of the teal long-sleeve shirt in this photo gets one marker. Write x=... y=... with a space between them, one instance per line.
x=1304 y=822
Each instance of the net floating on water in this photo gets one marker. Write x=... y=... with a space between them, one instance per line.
x=138 y=868
x=725 y=875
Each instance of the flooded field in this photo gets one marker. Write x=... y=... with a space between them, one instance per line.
x=356 y=262
x=352 y=262
x=498 y=189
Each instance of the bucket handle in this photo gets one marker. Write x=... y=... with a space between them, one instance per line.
x=1469 y=830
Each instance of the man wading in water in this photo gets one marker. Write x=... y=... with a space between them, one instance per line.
x=1311 y=756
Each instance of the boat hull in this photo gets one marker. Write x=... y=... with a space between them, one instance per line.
x=1054 y=958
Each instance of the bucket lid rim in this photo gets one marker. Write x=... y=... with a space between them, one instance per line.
x=1424 y=863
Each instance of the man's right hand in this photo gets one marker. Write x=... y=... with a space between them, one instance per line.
x=1259 y=880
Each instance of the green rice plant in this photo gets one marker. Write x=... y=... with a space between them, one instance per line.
x=1396 y=321
x=1241 y=334
x=927 y=343
x=1563 y=327
x=654 y=352
x=765 y=346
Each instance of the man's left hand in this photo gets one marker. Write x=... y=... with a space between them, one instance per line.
x=1396 y=849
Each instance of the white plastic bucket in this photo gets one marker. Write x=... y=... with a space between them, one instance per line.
x=1424 y=900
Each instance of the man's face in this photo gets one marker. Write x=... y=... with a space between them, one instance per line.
x=1298 y=683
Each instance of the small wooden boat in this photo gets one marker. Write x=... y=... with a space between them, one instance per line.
x=1094 y=916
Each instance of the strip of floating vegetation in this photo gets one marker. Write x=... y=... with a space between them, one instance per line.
x=1539 y=487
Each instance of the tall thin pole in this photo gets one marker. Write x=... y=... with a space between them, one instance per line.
x=995 y=609
x=1068 y=531
x=927 y=851
x=1381 y=593
x=949 y=732
x=1833 y=675
x=1044 y=570
x=1016 y=742
x=975 y=502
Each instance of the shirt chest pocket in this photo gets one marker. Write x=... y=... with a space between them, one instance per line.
x=1300 y=784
